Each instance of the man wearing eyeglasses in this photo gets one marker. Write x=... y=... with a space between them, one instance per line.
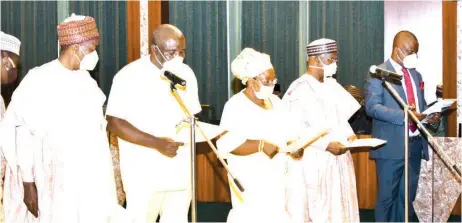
x=9 y=50
x=319 y=102
x=143 y=114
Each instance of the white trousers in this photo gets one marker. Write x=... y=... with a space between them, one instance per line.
x=172 y=206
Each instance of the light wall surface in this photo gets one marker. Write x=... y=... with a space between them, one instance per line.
x=424 y=19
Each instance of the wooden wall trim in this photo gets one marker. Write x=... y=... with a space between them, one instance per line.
x=133 y=30
x=154 y=16
x=450 y=60
x=165 y=12
x=450 y=69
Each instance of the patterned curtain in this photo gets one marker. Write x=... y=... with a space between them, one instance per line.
x=110 y=19
x=272 y=27
x=204 y=26
x=34 y=24
x=357 y=27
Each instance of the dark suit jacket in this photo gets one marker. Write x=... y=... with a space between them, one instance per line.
x=388 y=116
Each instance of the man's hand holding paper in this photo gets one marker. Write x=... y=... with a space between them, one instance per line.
x=439 y=106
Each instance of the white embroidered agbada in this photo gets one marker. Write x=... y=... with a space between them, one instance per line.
x=56 y=129
x=264 y=179
x=2 y=163
x=329 y=180
x=11 y=44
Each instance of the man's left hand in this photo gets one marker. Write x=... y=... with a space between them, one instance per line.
x=436 y=118
x=352 y=138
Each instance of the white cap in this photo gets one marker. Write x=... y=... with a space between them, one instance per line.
x=321 y=46
x=74 y=17
x=249 y=64
x=9 y=43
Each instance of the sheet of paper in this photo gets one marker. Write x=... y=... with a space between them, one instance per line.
x=304 y=142
x=183 y=132
x=439 y=106
x=365 y=143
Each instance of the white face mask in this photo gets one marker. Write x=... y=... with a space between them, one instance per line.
x=329 y=70
x=410 y=61
x=265 y=92
x=89 y=61
x=171 y=65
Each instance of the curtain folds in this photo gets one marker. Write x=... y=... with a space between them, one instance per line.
x=204 y=25
x=110 y=19
x=358 y=28
x=34 y=24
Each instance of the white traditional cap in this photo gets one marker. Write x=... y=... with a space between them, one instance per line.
x=321 y=46
x=249 y=64
x=9 y=43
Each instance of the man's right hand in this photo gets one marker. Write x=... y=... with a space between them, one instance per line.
x=270 y=149
x=418 y=115
x=168 y=147
x=31 y=197
x=336 y=148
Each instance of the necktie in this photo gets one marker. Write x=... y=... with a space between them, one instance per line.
x=410 y=95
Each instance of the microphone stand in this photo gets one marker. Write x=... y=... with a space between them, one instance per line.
x=407 y=112
x=193 y=124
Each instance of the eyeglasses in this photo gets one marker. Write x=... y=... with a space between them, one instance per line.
x=267 y=82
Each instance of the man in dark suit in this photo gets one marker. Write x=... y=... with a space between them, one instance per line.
x=388 y=124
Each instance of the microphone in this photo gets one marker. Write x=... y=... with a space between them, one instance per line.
x=174 y=78
x=383 y=73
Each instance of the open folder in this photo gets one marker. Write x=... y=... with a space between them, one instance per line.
x=305 y=141
x=183 y=132
x=365 y=143
x=439 y=106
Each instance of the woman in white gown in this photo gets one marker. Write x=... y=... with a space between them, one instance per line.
x=257 y=125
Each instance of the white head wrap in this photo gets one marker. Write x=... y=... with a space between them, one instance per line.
x=9 y=43
x=249 y=64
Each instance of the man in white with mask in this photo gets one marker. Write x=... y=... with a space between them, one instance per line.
x=9 y=50
x=143 y=114
x=388 y=124
x=54 y=137
x=319 y=102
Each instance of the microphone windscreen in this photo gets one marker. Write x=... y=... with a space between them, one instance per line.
x=373 y=69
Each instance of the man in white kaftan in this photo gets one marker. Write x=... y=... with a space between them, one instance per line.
x=9 y=50
x=56 y=144
x=257 y=123
x=318 y=101
x=144 y=114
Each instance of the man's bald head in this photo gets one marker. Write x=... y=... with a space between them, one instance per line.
x=167 y=42
x=165 y=31
x=405 y=43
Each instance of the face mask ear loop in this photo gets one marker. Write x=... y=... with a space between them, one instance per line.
x=399 y=57
x=161 y=53
x=12 y=63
